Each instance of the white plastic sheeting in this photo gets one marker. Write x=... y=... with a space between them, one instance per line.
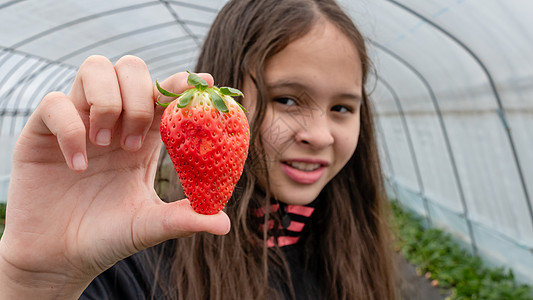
x=453 y=94
x=455 y=101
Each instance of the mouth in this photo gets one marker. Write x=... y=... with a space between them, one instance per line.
x=304 y=171
x=303 y=166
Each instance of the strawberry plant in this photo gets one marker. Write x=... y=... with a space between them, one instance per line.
x=206 y=134
x=451 y=267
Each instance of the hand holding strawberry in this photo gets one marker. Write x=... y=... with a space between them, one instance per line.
x=82 y=195
x=207 y=136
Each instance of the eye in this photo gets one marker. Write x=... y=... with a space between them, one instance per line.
x=342 y=109
x=285 y=101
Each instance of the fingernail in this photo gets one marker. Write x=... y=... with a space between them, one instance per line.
x=78 y=162
x=133 y=142
x=103 y=138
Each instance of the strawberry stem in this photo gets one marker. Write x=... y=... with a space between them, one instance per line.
x=201 y=85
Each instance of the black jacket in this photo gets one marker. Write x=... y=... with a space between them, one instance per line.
x=132 y=279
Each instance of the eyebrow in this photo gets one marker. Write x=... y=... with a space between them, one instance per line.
x=350 y=96
x=296 y=85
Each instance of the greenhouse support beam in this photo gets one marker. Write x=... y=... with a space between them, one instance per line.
x=501 y=111
x=411 y=147
x=444 y=133
x=10 y=3
x=181 y=23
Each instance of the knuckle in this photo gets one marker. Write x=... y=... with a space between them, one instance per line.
x=130 y=61
x=95 y=61
x=53 y=101
x=106 y=108
x=140 y=115
x=73 y=130
x=70 y=131
x=52 y=97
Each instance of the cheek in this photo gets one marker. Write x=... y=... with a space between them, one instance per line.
x=347 y=143
x=347 y=148
x=268 y=137
x=276 y=133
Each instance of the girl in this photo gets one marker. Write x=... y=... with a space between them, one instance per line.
x=307 y=215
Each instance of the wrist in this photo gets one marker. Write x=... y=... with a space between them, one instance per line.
x=21 y=284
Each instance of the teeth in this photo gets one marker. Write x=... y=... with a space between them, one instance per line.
x=303 y=166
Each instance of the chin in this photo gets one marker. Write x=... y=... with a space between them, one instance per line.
x=296 y=198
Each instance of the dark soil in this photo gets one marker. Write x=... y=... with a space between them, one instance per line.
x=416 y=287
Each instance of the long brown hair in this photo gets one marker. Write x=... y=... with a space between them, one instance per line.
x=349 y=244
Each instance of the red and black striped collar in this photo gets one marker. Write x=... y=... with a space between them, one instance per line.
x=293 y=221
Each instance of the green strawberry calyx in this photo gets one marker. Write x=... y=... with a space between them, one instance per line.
x=202 y=92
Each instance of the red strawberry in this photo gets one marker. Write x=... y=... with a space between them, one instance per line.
x=207 y=136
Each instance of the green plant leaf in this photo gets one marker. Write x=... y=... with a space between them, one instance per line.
x=217 y=101
x=185 y=98
x=162 y=104
x=242 y=107
x=230 y=91
x=464 y=275
x=165 y=92
x=197 y=81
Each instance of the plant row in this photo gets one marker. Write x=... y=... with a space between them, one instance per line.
x=449 y=266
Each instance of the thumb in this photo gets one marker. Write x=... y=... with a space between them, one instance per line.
x=167 y=221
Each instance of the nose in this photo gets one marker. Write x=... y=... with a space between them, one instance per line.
x=315 y=132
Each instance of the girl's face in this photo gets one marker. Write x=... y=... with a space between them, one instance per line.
x=312 y=122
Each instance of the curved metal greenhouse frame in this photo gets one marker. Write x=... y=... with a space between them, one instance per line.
x=452 y=91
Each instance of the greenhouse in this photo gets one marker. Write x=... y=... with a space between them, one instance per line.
x=451 y=85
